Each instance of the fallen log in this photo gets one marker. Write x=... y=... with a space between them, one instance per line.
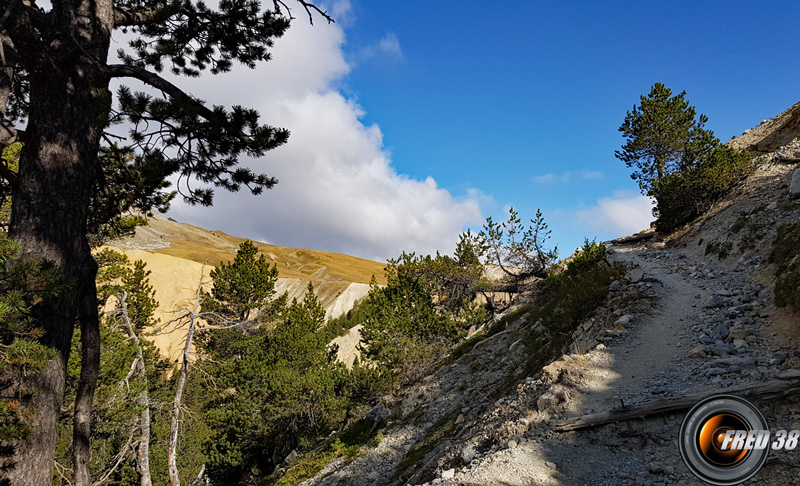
x=787 y=383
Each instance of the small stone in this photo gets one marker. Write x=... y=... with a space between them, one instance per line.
x=291 y=458
x=624 y=320
x=772 y=206
x=469 y=453
x=698 y=352
x=449 y=474
x=718 y=350
x=512 y=444
x=614 y=287
x=714 y=302
x=721 y=331
x=738 y=331
x=636 y=274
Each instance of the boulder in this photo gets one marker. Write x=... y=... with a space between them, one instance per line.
x=794 y=187
x=635 y=274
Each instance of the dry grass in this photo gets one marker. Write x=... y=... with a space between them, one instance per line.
x=211 y=247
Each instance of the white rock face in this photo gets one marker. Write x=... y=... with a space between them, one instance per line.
x=348 y=346
x=344 y=302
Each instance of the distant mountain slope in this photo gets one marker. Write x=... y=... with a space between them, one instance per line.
x=176 y=253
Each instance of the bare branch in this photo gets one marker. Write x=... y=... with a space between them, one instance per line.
x=308 y=6
x=118 y=460
x=143 y=399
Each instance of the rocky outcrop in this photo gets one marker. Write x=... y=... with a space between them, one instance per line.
x=777 y=136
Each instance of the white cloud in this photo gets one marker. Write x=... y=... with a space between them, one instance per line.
x=390 y=45
x=386 y=48
x=566 y=176
x=623 y=213
x=550 y=177
x=338 y=190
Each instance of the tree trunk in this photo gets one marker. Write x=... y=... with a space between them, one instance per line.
x=51 y=200
x=143 y=400
x=90 y=371
x=172 y=448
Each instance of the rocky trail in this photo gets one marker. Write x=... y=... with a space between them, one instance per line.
x=704 y=333
x=694 y=314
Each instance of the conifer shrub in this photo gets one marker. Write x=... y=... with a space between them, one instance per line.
x=589 y=255
x=785 y=254
x=683 y=195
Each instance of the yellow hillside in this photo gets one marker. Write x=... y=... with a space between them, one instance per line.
x=177 y=253
x=197 y=244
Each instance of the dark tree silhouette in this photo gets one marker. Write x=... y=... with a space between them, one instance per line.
x=55 y=99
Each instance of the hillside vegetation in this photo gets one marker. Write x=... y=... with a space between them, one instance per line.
x=467 y=369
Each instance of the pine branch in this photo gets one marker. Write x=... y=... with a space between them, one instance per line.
x=127 y=18
x=156 y=81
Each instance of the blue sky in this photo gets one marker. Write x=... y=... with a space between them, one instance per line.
x=413 y=120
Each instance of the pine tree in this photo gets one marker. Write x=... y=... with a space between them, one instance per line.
x=275 y=390
x=658 y=136
x=55 y=99
x=243 y=287
x=678 y=162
